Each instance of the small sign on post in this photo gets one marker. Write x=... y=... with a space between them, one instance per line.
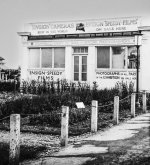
x=80 y=105
x=14 y=151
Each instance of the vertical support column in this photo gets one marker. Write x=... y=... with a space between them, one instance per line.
x=116 y=110
x=2 y=76
x=94 y=115
x=6 y=75
x=144 y=102
x=14 y=150
x=64 y=125
x=133 y=105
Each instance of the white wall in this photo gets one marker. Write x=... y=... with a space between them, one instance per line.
x=24 y=63
x=91 y=65
x=68 y=63
x=145 y=62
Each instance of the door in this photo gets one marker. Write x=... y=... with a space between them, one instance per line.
x=80 y=68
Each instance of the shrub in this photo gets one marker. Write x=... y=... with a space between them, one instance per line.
x=50 y=100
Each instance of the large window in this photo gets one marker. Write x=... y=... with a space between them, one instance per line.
x=59 y=57
x=34 y=58
x=118 y=57
x=103 y=57
x=132 y=57
x=47 y=58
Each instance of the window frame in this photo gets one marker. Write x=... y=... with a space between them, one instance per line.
x=111 y=56
x=53 y=56
x=80 y=55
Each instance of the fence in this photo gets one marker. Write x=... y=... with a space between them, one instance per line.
x=115 y=107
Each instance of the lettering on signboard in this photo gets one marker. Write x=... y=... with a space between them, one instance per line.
x=119 y=75
x=91 y=26
x=47 y=75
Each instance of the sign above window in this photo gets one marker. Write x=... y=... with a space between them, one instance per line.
x=89 y=26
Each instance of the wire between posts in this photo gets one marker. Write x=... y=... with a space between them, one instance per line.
x=102 y=106
x=5 y=118
x=124 y=98
x=39 y=114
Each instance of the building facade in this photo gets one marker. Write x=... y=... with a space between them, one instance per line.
x=104 y=50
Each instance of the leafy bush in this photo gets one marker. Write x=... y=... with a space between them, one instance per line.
x=9 y=86
x=52 y=96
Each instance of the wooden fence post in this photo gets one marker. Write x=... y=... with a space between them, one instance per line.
x=133 y=105
x=64 y=125
x=116 y=110
x=94 y=116
x=14 y=151
x=144 y=102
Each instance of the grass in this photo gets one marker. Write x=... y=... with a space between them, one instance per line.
x=26 y=152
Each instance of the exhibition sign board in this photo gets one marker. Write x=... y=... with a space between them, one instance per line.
x=110 y=78
x=85 y=26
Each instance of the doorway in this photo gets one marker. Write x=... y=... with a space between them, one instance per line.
x=80 y=67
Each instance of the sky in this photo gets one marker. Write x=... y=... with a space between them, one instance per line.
x=15 y=13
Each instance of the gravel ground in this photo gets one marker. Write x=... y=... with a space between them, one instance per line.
x=136 y=154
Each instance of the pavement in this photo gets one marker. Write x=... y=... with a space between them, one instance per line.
x=125 y=142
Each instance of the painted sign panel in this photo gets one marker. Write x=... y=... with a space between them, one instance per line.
x=80 y=105
x=83 y=42
x=110 y=78
x=83 y=26
x=47 y=75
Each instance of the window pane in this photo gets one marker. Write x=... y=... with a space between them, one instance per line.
x=76 y=64
x=118 y=57
x=84 y=68
x=84 y=76
x=80 y=50
x=59 y=57
x=132 y=56
x=76 y=60
x=84 y=64
x=84 y=60
x=76 y=76
x=86 y=50
x=46 y=57
x=103 y=57
x=76 y=68
x=34 y=58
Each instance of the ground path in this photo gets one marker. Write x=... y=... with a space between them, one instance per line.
x=127 y=143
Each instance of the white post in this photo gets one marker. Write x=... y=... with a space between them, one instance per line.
x=6 y=77
x=94 y=115
x=2 y=76
x=144 y=102
x=14 y=150
x=64 y=125
x=116 y=110
x=133 y=105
